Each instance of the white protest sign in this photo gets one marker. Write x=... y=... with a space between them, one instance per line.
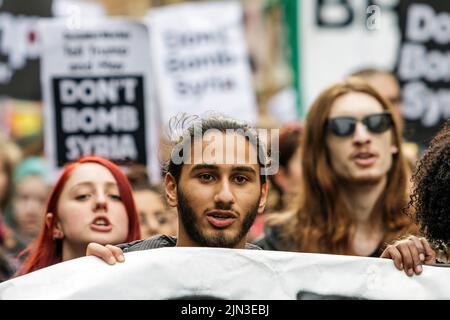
x=96 y=84
x=337 y=38
x=200 y=60
x=176 y=273
x=77 y=9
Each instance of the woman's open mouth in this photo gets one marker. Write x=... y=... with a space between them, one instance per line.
x=101 y=224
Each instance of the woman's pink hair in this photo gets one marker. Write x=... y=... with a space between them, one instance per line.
x=45 y=250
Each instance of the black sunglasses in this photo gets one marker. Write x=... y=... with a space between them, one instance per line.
x=345 y=126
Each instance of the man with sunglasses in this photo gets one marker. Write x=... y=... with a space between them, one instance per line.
x=388 y=87
x=354 y=181
x=345 y=126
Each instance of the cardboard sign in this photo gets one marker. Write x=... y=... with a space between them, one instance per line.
x=96 y=90
x=200 y=60
x=337 y=38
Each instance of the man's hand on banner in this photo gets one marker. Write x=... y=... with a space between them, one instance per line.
x=409 y=254
x=109 y=253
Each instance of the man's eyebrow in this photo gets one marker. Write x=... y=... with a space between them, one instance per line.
x=205 y=166
x=216 y=167
x=244 y=169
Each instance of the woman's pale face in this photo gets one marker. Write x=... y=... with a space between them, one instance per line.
x=29 y=205
x=90 y=208
x=154 y=217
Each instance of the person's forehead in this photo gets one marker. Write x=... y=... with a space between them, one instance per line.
x=90 y=172
x=355 y=104
x=218 y=147
x=31 y=181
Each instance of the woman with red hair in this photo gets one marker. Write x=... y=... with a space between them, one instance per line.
x=92 y=201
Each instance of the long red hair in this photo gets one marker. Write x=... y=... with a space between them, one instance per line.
x=46 y=251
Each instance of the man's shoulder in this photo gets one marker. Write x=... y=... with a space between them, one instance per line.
x=161 y=241
x=155 y=242
x=252 y=246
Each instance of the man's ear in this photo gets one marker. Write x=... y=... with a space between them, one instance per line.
x=171 y=190
x=56 y=229
x=263 y=199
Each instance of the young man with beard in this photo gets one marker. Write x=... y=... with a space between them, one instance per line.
x=217 y=185
x=354 y=179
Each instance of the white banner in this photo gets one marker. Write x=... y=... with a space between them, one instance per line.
x=96 y=84
x=176 y=273
x=200 y=60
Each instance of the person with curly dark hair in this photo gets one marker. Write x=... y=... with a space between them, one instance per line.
x=429 y=201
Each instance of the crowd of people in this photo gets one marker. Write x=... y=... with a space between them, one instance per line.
x=342 y=187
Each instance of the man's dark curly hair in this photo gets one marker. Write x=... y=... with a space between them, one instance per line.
x=430 y=198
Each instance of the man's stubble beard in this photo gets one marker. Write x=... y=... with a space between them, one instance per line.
x=189 y=221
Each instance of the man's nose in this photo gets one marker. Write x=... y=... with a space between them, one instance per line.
x=362 y=134
x=224 y=193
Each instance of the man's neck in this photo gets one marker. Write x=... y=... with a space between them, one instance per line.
x=183 y=240
x=362 y=198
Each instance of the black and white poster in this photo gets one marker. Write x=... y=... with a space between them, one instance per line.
x=102 y=116
x=423 y=67
x=20 y=47
x=96 y=82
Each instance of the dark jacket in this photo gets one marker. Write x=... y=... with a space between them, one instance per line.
x=272 y=240
x=160 y=241
x=6 y=269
